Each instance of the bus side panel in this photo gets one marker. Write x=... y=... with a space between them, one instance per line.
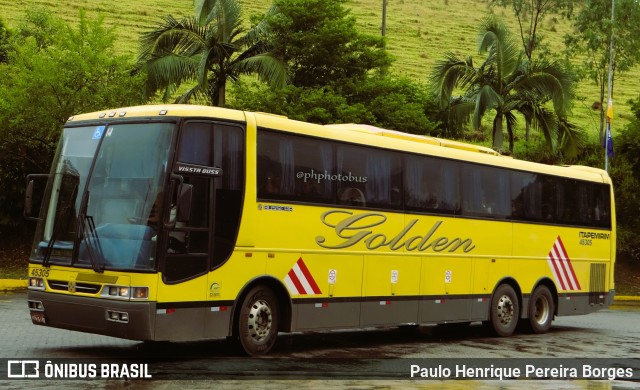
x=481 y=289
x=445 y=289
x=325 y=289
x=181 y=310
x=224 y=286
x=181 y=324
x=314 y=314
x=390 y=288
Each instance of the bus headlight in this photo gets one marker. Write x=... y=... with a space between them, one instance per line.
x=139 y=292
x=36 y=283
x=125 y=292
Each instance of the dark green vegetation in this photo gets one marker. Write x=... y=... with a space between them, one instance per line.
x=56 y=62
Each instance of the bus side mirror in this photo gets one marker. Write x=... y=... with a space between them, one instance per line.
x=185 y=196
x=33 y=203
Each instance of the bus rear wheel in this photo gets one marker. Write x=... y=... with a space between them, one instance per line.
x=505 y=310
x=541 y=309
x=258 y=322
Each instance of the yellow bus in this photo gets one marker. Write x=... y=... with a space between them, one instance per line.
x=181 y=223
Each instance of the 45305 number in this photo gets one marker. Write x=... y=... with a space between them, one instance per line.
x=40 y=272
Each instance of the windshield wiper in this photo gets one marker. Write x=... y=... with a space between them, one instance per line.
x=90 y=236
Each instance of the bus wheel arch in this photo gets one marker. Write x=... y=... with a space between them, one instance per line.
x=262 y=309
x=504 y=308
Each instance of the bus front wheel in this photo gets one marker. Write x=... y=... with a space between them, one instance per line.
x=505 y=310
x=258 y=322
x=541 y=309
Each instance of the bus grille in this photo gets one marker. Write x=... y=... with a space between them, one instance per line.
x=72 y=286
x=597 y=284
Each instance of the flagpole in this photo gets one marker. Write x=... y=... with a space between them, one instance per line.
x=609 y=91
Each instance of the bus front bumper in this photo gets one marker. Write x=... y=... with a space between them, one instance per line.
x=123 y=319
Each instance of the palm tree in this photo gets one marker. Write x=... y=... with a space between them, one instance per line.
x=209 y=49
x=507 y=84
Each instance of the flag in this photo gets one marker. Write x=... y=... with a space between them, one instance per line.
x=610 y=109
x=607 y=142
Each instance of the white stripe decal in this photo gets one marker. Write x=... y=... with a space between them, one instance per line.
x=561 y=267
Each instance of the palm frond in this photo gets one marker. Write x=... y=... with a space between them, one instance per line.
x=261 y=30
x=182 y=37
x=169 y=70
x=502 y=50
x=486 y=98
x=546 y=122
x=268 y=68
x=571 y=138
x=554 y=81
x=448 y=74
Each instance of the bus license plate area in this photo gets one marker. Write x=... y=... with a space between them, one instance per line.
x=38 y=318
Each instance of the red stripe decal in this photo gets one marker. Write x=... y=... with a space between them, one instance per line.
x=307 y=274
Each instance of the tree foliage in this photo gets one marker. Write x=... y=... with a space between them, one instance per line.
x=53 y=71
x=591 y=38
x=530 y=15
x=320 y=43
x=504 y=84
x=625 y=173
x=385 y=102
x=4 y=42
x=206 y=51
x=335 y=72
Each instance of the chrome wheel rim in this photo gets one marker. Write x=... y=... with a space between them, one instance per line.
x=505 y=310
x=260 y=320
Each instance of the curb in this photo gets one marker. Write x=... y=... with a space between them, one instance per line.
x=623 y=301
x=12 y=284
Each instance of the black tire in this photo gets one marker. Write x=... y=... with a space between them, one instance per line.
x=504 y=311
x=541 y=309
x=258 y=321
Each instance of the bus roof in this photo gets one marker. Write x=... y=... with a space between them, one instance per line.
x=392 y=139
x=160 y=110
x=355 y=133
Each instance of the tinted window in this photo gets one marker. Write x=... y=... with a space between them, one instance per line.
x=485 y=191
x=431 y=185
x=368 y=177
x=295 y=168
x=305 y=169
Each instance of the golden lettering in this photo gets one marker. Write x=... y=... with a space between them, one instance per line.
x=353 y=229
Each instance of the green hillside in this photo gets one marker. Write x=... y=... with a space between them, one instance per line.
x=419 y=33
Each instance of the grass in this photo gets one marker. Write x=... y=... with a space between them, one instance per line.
x=419 y=33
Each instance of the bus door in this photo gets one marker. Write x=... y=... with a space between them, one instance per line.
x=209 y=168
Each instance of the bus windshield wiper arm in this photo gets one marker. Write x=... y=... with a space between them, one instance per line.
x=90 y=236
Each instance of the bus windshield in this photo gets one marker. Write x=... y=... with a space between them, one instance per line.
x=102 y=201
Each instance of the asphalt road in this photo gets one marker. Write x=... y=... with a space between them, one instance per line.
x=363 y=359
